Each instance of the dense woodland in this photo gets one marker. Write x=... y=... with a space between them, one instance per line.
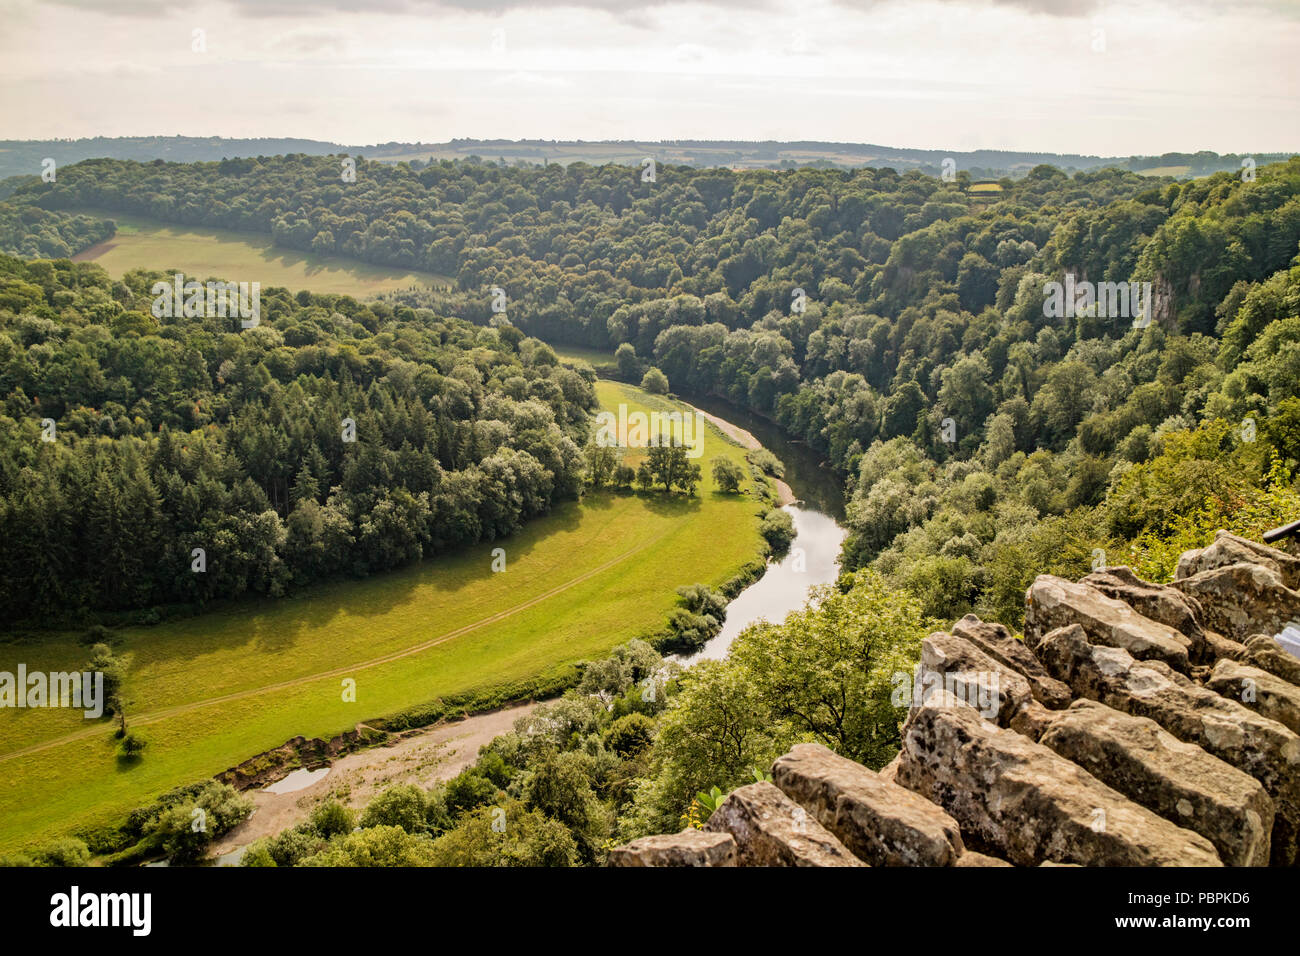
x=1074 y=441
x=924 y=302
x=177 y=434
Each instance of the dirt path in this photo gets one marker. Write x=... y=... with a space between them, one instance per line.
x=784 y=494
x=423 y=757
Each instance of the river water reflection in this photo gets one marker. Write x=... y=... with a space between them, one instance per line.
x=813 y=558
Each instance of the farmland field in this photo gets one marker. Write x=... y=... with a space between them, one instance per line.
x=208 y=692
x=203 y=252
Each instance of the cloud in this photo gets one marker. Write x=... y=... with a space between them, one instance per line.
x=286 y=8
x=311 y=43
x=1082 y=8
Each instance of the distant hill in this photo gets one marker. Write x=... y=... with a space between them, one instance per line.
x=24 y=157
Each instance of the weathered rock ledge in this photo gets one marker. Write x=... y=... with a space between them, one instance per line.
x=1137 y=724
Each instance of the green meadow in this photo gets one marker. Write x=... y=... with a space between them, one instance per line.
x=240 y=256
x=210 y=691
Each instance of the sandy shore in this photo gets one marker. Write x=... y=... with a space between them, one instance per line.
x=784 y=495
x=422 y=757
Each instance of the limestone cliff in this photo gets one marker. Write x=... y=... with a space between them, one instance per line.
x=1137 y=724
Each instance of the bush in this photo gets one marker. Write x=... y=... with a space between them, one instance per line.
x=655 y=382
x=286 y=849
x=629 y=735
x=401 y=806
x=467 y=790
x=331 y=818
x=97 y=634
x=766 y=462
x=778 y=530
x=68 y=851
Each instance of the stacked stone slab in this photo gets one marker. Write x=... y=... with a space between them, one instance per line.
x=1136 y=724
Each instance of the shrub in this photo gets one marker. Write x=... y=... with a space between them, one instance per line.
x=401 y=806
x=331 y=818
x=629 y=735
x=655 y=382
x=777 y=529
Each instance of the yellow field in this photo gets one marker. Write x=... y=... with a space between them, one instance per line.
x=239 y=256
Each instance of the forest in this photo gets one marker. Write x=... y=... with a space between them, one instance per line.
x=334 y=438
x=895 y=323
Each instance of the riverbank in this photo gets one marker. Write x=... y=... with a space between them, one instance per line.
x=210 y=690
x=423 y=757
x=784 y=493
x=437 y=753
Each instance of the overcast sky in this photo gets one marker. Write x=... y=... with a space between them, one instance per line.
x=1146 y=76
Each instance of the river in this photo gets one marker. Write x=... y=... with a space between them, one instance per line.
x=813 y=558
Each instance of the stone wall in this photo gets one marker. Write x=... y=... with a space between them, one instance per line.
x=1137 y=724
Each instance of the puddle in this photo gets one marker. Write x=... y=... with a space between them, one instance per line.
x=232 y=858
x=298 y=780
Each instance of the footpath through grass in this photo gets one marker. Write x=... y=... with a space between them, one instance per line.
x=211 y=691
x=202 y=252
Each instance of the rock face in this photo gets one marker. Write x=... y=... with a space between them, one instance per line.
x=1137 y=724
x=772 y=830
x=962 y=668
x=1053 y=602
x=1241 y=600
x=1259 y=690
x=1020 y=800
x=1179 y=781
x=1229 y=548
x=996 y=641
x=881 y=822
x=1165 y=605
x=1263 y=748
x=688 y=848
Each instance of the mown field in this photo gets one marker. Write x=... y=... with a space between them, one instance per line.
x=239 y=256
x=602 y=362
x=211 y=691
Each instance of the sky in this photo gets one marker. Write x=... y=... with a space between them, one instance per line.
x=1068 y=76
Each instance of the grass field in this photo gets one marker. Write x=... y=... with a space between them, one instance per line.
x=1179 y=171
x=211 y=691
x=239 y=256
x=602 y=362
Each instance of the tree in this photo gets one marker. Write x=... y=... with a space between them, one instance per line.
x=508 y=835
x=715 y=730
x=728 y=475
x=601 y=462
x=655 y=382
x=831 y=668
x=376 y=846
x=628 y=364
x=777 y=529
x=331 y=819
x=400 y=806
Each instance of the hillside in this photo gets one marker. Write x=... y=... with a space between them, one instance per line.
x=1137 y=725
x=24 y=157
